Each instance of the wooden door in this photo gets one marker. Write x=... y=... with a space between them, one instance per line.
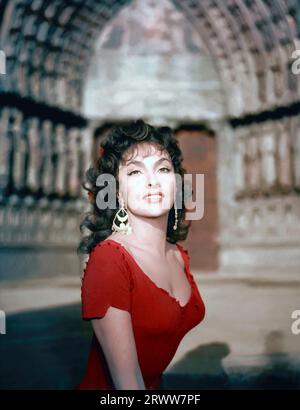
x=199 y=152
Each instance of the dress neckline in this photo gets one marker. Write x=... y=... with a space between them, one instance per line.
x=153 y=283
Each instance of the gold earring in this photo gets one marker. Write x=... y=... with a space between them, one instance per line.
x=123 y=226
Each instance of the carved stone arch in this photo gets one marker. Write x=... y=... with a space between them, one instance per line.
x=248 y=73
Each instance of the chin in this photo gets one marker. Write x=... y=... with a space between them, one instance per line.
x=155 y=212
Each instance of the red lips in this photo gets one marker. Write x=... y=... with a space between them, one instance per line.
x=154 y=193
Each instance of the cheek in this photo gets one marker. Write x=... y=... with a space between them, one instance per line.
x=168 y=184
x=135 y=189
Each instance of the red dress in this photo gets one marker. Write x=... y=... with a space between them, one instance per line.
x=113 y=278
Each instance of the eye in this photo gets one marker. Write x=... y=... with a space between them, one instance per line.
x=168 y=169
x=136 y=170
x=132 y=172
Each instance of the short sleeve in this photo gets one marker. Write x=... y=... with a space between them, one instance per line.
x=106 y=282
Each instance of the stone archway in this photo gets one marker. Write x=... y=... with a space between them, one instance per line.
x=48 y=48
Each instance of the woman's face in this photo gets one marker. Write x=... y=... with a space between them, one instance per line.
x=143 y=165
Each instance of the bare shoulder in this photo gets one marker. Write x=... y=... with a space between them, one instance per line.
x=118 y=237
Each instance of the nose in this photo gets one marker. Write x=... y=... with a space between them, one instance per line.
x=152 y=181
x=151 y=184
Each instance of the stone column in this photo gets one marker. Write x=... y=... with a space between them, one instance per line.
x=47 y=172
x=254 y=163
x=268 y=161
x=19 y=152
x=284 y=155
x=86 y=154
x=5 y=149
x=34 y=155
x=295 y=122
x=73 y=181
x=240 y=175
x=61 y=149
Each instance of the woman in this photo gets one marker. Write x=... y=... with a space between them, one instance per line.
x=137 y=288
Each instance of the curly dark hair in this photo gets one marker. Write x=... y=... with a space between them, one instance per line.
x=116 y=142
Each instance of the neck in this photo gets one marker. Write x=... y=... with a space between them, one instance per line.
x=150 y=233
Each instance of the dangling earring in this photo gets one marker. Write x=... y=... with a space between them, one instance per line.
x=123 y=225
x=176 y=218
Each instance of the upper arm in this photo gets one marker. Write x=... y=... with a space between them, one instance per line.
x=106 y=282
x=115 y=334
x=106 y=300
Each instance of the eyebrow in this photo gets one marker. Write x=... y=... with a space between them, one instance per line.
x=141 y=162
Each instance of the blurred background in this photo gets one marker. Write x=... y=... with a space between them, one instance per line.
x=225 y=75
